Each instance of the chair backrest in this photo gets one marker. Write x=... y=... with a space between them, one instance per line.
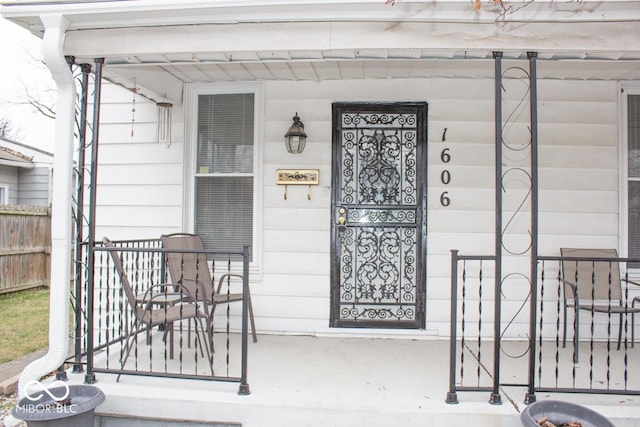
x=188 y=269
x=593 y=277
x=124 y=279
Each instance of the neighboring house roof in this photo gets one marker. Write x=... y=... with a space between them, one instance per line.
x=9 y=157
x=35 y=155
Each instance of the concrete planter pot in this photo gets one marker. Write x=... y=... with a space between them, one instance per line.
x=558 y=412
x=77 y=410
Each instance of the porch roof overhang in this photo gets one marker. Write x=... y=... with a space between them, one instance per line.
x=163 y=44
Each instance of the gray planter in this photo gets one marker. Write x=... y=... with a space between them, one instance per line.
x=558 y=412
x=76 y=411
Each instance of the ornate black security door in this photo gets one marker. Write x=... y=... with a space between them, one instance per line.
x=378 y=215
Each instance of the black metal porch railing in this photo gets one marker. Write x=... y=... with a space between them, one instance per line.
x=581 y=344
x=595 y=352
x=470 y=343
x=108 y=336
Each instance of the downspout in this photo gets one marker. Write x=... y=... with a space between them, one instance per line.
x=52 y=47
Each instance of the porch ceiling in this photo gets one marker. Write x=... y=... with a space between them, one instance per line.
x=163 y=45
x=165 y=74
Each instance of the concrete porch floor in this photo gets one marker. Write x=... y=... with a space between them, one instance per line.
x=331 y=381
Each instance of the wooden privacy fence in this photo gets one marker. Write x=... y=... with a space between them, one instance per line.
x=25 y=243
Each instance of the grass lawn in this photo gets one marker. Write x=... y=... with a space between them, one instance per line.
x=24 y=323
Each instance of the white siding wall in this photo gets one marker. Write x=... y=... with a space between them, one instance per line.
x=141 y=182
x=34 y=186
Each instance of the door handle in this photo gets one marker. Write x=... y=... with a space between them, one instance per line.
x=342 y=215
x=342 y=219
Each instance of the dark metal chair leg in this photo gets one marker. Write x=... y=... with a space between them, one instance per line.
x=620 y=331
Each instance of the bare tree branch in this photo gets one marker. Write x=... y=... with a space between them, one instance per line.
x=39 y=94
x=39 y=106
x=8 y=130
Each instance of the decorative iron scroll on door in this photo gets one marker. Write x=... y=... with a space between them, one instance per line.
x=378 y=277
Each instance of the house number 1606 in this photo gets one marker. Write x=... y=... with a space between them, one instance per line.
x=445 y=176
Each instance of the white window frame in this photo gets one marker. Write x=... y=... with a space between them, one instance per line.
x=192 y=92
x=6 y=195
x=625 y=89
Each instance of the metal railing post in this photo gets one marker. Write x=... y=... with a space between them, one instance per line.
x=244 y=386
x=90 y=375
x=452 y=397
x=79 y=249
x=495 y=398
x=533 y=98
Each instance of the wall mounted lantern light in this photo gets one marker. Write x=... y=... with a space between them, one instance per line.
x=295 y=138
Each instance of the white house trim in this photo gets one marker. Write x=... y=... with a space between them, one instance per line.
x=24 y=165
x=108 y=14
x=4 y=194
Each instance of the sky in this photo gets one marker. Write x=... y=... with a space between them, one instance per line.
x=21 y=68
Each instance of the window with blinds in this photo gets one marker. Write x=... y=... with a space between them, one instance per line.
x=223 y=185
x=633 y=174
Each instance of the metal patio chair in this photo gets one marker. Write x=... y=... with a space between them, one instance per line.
x=157 y=307
x=191 y=270
x=594 y=284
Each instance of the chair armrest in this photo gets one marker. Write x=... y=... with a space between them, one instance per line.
x=201 y=287
x=630 y=282
x=635 y=299
x=227 y=276
x=572 y=286
x=574 y=291
x=180 y=293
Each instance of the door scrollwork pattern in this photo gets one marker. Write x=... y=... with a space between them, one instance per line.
x=378 y=244
x=384 y=158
